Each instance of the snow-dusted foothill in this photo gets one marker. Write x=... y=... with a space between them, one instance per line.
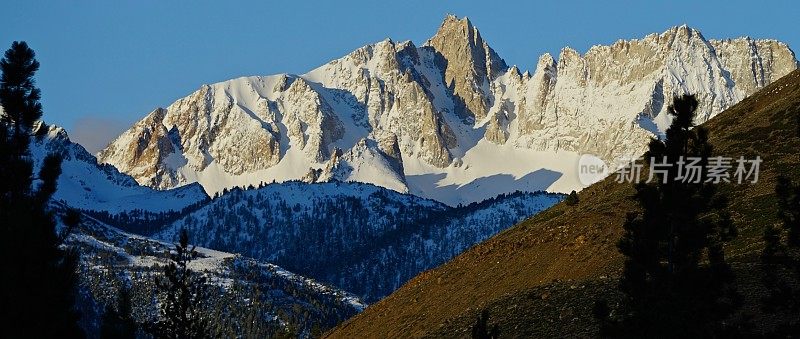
x=362 y=238
x=244 y=289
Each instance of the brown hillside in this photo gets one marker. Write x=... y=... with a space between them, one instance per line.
x=539 y=278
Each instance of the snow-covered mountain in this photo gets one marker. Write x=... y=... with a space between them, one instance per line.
x=362 y=238
x=447 y=120
x=85 y=184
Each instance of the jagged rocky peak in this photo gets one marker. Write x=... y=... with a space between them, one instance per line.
x=389 y=145
x=610 y=99
x=754 y=63
x=469 y=65
x=142 y=150
x=383 y=59
x=537 y=91
x=683 y=32
x=283 y=83
x=571 y=65
x=391 y=90
x=543 y=78
x=423 y=119
x=643 y=57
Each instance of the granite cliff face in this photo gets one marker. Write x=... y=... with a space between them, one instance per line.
x=609 y=101
x=442 y=119
x=469 y=65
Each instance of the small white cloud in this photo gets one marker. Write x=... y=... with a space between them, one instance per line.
x=95 y=133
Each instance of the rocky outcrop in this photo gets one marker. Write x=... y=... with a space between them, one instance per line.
x=142 y=152
x=390 y=148
x=754 y=64
x=364 y=162
x=311 y=123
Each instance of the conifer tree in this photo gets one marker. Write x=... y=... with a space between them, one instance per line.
x=37 y=291
x=572 y=199
x=118 y=322
x=675 y=280
x=183 y=293
x=481 y=329
x=781 y=258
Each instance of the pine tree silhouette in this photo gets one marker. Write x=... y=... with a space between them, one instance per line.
x=183 y=293
x=481 y=328
x=38 y=285
x=118 y=322
x=675 y=280
x=572 y=199
x=781 y=259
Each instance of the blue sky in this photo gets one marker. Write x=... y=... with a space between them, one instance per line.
x=106 y=64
